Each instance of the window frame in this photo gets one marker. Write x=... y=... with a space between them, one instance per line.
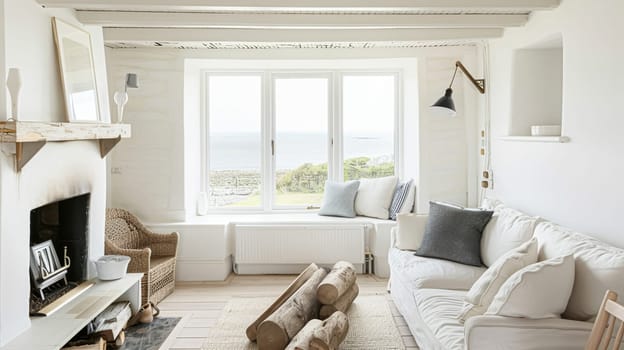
x=335 y=140
x=273 y=121
x=398 y=118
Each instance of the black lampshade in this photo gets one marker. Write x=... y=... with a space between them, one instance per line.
x=445 y=104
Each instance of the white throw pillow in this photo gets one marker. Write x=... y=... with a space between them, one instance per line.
x=507 y=229
x=374 y=197
x=410 y=231
x=541 y=290
x=483 y=291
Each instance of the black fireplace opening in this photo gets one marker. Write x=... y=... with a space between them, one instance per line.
x=63 y=227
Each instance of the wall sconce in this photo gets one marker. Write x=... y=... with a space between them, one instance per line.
x=121 y=97
x=445 y=105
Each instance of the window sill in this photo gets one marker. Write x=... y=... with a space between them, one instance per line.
x=306 y=217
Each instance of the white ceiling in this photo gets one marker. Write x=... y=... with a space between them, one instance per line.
x=267 y=24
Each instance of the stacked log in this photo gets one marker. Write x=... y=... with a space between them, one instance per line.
x=280 y=327
x=252 y=330
x=302 y=340
x=292 y=323
x=338 y=289
x=322 y=335
x=342 y=304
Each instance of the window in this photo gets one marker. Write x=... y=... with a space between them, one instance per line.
x=368 y=110
x=273 y=138
x=301 y=137
x=234 y=140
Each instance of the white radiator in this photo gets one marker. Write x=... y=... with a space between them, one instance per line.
x=287 y=248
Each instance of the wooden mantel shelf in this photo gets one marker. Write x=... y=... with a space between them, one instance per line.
x=30 y=137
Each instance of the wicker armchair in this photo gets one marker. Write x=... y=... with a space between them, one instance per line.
x=150 y=253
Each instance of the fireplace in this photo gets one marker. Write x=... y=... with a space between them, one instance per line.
x=60 y=229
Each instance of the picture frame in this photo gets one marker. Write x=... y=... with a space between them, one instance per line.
x=75 y=57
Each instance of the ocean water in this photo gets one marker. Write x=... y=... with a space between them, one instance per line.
x=241 y=151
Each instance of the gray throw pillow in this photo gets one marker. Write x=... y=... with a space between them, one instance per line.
x=339 y=199
x=453 y=233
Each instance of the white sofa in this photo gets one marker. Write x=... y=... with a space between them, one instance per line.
x=429 y=293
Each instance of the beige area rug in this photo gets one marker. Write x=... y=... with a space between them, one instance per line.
x=371 y=325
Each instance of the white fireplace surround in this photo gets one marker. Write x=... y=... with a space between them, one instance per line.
x=60 y=170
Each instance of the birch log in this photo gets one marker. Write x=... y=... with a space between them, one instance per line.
x=301 y=341
x=330 y=333
x=339 y=279
x=111 y=322
x=252 y=330
x=342 y=304
x=280 y=327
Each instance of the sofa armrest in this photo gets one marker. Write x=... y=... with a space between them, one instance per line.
x=499 y=332
x=409 y=231
x=393 y=233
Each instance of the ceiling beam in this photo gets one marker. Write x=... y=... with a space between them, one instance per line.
x=294 y=35
x=221 y=20
x=301 y=5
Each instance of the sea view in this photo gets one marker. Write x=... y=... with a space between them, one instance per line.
x=241 y=151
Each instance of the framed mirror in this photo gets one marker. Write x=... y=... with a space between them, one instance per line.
x=75 y=56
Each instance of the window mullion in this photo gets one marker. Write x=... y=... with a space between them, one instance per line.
x=398 y=125
x=269 y=137
x=338 y=130
x=204 y=133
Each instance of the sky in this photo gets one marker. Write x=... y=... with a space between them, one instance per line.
x=301 y=104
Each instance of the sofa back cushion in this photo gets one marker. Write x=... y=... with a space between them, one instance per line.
x=454 y=234
x=374 y=197
x=598 y=267
x=410 y=231
x=507 y=230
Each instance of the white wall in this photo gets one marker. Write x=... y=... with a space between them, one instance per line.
x=151 y=163
x=151 y=180
x=577 y=184
x=3 y=72
x=29 y=46
x=59 y=170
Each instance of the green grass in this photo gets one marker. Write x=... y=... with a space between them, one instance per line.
x=286 y=198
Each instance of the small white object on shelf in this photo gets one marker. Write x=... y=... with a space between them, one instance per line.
x=14 y=85
x=112 y=267
x=554 y=139
x=202 y=204
x=545 y=130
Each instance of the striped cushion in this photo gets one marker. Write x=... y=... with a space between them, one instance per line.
x=400 y=194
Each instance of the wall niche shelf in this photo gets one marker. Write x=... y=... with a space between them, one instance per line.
x=552 y=139
x=537 y=88
x=25 y=139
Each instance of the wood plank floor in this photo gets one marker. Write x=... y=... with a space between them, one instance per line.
x=200 y=305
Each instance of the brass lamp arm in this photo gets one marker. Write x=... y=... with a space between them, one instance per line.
x=478 y=83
